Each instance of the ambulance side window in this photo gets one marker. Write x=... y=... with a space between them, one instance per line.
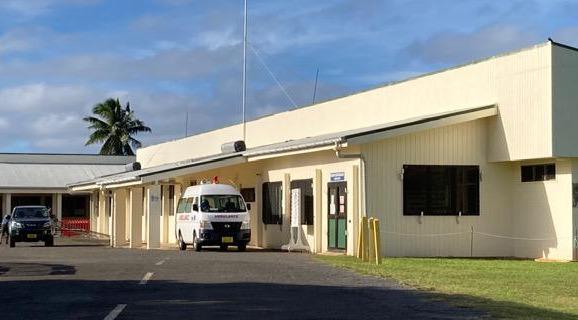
x=181 y=205
x=188 y=205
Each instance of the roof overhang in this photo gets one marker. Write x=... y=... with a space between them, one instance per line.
x=419 y=124
x=158 y=173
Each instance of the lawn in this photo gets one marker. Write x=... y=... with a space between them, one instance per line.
x=509 y=289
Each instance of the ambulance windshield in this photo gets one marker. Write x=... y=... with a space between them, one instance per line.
x=222 y=203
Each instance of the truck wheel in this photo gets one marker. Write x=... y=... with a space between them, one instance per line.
x=223 y=247
x=12 y=243
x=198 y=247
x=242 y=247
x=182 y=244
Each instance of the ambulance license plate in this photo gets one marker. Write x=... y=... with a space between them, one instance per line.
x=227 y=239
x=31 y=236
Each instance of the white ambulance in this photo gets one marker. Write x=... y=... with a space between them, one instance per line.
x=212 y=215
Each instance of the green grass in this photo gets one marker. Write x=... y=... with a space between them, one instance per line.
x=508 y=289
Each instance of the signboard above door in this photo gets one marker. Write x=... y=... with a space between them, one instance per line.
x=337 y=176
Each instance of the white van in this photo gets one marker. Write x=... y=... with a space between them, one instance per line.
x=212 y=215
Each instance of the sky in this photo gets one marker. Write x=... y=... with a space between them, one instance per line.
x=173 y=58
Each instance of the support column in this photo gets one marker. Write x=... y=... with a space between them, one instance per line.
x=153 y=216
x=58 y=206
x=318 y=211
x=135 y=212
x=7 y=204
x=102 y=212
x=119 y=216
x=353 y=219
x=165 y=214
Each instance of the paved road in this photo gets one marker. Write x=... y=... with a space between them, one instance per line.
x=93 y=282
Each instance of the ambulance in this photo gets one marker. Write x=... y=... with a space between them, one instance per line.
x=212 y=214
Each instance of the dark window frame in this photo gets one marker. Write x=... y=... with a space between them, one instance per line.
x=307 y=200
x=272 y=212
x=248 y=194
x=441 y=190
x=538 y=172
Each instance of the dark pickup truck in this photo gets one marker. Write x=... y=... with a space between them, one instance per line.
x=31 y=224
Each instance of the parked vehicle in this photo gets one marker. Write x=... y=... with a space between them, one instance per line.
x=212 y=215
x=31 y=224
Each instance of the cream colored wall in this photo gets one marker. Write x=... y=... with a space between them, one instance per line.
x=462 y=144
x=520 y=83
x=543 y=210
x=575 y=209
x=304 y=166
x=565 y=101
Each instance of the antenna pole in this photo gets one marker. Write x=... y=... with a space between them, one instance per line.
x=187 y=124
x=244 y=68
x=315 y=88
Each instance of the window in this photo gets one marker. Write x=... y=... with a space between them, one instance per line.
x=222 y=203
x=306 y=201
x=540 y=172
x=248 y=194
x=189 y=204
x=441 y=190
x=181 y=205
x=272 y=203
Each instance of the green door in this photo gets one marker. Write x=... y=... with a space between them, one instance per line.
x=337 y=215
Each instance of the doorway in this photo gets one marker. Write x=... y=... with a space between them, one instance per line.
x=337 y=215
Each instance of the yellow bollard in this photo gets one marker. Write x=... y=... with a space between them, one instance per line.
x=371 y=244
x=376 y=241
x=365 y=240
x=359 y=253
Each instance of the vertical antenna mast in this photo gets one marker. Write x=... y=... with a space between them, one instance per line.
x=187 y=124
x=315 y=88
x=244 y=68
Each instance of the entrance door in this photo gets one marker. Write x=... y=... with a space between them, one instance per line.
x=337 y=215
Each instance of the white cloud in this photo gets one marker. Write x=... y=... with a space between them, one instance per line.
x=41 y=97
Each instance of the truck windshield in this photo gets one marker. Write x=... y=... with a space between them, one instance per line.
x=222 y=203
x=25 y=213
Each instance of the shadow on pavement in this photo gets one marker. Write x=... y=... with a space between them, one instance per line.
x=8 y=269
x=83 y=299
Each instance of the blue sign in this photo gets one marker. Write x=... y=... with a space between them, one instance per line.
x=337 y=176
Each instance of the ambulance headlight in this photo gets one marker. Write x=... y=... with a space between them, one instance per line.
x=245 y=225
x=205 y=224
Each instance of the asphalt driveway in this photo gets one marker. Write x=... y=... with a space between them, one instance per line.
x=96 y=282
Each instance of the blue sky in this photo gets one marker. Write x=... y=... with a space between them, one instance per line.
x=172 y=57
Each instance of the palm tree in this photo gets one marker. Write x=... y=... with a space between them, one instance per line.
x=114 y=126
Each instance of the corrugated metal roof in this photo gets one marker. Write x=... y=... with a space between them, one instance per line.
x=57 y=176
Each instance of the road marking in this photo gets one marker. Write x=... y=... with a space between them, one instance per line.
x=146 y=278
x=115 y=312
x=160 y=262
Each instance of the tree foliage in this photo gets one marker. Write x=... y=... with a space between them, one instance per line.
x=114 y=127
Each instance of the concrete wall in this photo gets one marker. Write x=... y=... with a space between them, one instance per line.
x=543 y=210
x=520 y=83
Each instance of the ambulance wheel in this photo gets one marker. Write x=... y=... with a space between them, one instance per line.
x=242 y=247
x=223 y=247
x=182 y=244
x=198 y=247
